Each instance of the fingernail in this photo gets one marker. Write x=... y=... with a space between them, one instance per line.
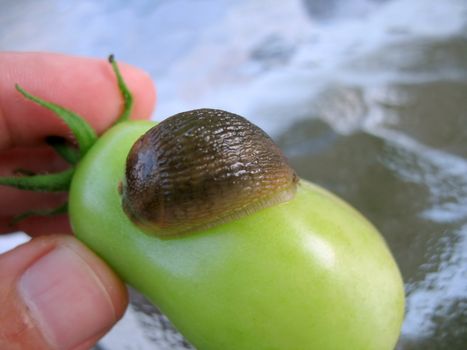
x=66 y=298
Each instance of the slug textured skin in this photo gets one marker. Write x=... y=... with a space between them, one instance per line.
x=202 y=167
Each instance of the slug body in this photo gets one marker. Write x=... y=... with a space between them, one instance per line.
x=200 y=168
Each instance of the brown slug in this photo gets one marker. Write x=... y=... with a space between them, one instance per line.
x=200 y=168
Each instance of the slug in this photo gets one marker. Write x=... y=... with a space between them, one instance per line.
x=200 y=168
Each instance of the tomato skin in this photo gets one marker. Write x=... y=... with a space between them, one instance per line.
x=311 y=273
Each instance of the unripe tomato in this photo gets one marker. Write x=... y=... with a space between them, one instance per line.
x=310 y=273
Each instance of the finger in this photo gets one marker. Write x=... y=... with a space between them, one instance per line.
x=15 y=202
x=36 y=226
x=56 y=294
x=84 y=85
x=39 y=160
x=36 y=159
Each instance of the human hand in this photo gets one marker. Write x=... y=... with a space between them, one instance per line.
x=54 y=292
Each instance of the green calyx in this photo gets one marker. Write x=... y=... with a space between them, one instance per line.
x=126 y=94
x=83 y=133
x=57 y=182
x=84 y=136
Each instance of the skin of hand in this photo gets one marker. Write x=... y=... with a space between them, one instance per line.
x=54 y=292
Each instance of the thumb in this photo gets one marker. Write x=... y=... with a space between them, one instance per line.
x=56 y=294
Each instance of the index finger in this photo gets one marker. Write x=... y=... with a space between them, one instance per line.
x=84 y=85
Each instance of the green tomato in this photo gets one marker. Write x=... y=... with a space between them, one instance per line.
x=310 y=273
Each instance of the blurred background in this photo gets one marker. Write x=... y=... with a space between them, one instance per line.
x=367 y=97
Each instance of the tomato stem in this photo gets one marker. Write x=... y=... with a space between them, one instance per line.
x=85 y=137
x=63 y=148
